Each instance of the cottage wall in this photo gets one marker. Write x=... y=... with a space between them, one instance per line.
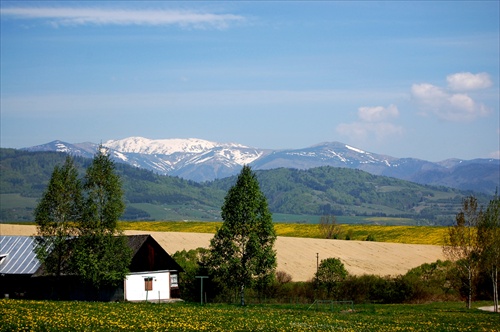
x=137 y=285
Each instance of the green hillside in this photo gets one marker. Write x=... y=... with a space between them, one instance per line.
x=299 y=196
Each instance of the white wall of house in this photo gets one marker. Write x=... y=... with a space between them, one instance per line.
x=136 y=285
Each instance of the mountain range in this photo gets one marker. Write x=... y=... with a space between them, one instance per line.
x=201 y=160
x=293 y=195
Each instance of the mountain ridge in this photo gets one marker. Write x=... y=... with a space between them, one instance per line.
x=293 y=195
x=201 y=160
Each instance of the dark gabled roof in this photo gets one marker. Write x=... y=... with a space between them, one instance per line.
x=135 y=242
x=17 y=255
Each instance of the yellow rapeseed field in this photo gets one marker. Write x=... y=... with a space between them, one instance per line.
x=397 y=234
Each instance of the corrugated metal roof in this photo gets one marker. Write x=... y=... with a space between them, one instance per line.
x=20 y=257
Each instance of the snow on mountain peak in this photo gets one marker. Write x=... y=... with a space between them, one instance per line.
x=160 y=146
x=354 y=149
x=61 y=147
x=195 y=150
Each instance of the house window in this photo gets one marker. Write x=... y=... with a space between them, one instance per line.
x=148 y=284
x=173 y=280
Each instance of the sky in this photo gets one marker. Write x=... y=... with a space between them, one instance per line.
x=401 y=78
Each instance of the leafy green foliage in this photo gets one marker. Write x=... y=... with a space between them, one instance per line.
x=28 y=173
x=194 y=264
x=101 y=255
x=101 y=259
x=104 y=202
x=242 y=251
x=461 y=243
x=432 y=281
x=78 y=224
x=55 y=217
x=488 y=230
x=331 y=272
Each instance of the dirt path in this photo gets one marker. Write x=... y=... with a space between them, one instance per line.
x=297 y=256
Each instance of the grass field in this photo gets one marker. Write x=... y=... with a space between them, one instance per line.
x=17 y=201
x=395 y=234
x=206 y=213
x=23 y=315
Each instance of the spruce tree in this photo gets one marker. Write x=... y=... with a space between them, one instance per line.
x=241 y=252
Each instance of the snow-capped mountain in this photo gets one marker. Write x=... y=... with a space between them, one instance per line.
x=193 y=159
x=201 y=160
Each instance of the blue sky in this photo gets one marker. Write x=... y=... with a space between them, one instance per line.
x=406 y=79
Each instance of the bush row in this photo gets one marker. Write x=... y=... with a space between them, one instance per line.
x=436 y=281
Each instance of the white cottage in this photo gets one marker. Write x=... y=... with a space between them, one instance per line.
x=153 y=274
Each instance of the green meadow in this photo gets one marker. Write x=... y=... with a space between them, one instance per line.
x=24 y=315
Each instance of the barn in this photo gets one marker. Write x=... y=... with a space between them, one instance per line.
x=153 y=274
x=18 y=263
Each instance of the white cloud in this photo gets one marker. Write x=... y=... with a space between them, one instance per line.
x=468 y=81
x=377 y=113
x=373 y=124
x=105 y=16
x=446 y=105
x=361 y=131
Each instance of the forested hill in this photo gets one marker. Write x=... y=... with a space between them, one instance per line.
x=317 y=191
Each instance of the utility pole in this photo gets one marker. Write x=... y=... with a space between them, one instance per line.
x=201 y=296
x=317 y=263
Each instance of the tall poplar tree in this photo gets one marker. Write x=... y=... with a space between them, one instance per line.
x=56 y=216
x=461 y=243
x=241 y=252
x=101 y=256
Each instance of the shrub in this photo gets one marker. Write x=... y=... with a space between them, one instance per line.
x=282 y=277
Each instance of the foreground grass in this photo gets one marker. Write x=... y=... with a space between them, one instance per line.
x=23 y=315
x=396 y=234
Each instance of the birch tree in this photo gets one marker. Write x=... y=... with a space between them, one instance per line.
x=489 y=244
x=55 y=217
x=101 y=256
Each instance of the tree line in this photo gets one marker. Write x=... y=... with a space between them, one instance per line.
x=472 y=244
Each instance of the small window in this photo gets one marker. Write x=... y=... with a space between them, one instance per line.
x=173 y=280
x=148 y=284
